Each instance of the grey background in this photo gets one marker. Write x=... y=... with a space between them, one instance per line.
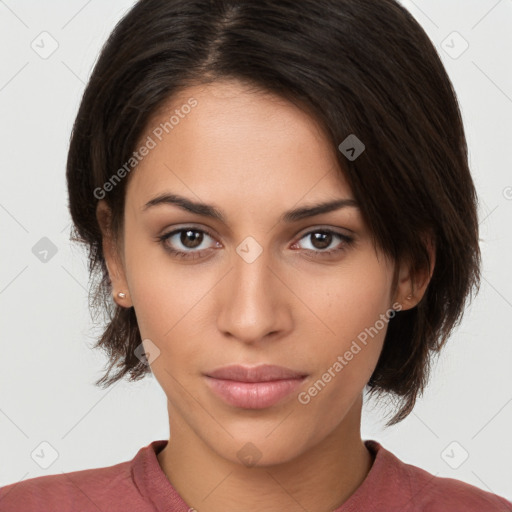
x=46 y=382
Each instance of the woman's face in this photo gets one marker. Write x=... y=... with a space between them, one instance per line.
x=308 y=293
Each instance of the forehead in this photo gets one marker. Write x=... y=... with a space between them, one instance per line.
x=231 y=143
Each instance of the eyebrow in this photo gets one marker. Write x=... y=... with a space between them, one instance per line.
x=208 y=210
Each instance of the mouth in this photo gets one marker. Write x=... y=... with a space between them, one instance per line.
x=256 y=387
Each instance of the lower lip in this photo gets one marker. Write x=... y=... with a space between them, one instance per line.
x=253 y=395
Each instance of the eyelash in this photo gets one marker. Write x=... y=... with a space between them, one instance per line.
x=346 y=243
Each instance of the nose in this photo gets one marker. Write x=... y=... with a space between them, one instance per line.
x=255 y=303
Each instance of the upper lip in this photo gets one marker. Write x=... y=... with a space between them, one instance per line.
x=261 y=373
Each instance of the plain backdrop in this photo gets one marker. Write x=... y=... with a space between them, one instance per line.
x=461 y=426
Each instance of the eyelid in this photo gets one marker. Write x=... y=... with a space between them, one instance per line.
x=190 y=225
x=345 y=238
x=320 y=227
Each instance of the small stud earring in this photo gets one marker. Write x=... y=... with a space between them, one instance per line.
x=409 y=297
x=121 y=295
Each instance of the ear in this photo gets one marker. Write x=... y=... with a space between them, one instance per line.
x=113 y=258
x=412 y=286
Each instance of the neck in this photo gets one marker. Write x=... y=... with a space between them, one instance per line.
x=321 y=478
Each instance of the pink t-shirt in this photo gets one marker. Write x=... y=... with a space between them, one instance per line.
x=140 y=485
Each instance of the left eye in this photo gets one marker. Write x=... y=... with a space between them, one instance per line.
x=321 y=239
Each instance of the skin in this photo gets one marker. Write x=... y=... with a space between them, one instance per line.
x=254 y=155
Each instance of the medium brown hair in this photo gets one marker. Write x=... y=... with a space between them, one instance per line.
x=362 y=67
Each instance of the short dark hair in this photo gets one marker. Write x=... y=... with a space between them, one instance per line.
x=363 y=67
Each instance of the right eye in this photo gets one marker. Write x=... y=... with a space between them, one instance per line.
x=190 y=238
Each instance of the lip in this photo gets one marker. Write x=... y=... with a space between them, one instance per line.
x=260 y=373
x=256 y=387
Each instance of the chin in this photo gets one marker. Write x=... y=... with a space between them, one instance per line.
x=261 y=448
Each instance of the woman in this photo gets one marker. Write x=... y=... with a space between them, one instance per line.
x=277 y=197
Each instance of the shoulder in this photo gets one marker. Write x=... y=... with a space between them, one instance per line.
x=430 y=493
x=441 y=493
x=90 y=489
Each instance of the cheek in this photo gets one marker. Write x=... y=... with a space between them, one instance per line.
x=169 y=310
x=170 y=303
x=157 y=290
x=345 y=361
x=350 y=304
x=349 y=299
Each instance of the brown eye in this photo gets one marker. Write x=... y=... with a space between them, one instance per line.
x=187 y=242
x=321 y=239
x=191 y=238
x=322 y=242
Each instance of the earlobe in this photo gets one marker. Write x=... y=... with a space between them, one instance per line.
x=404 y=289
